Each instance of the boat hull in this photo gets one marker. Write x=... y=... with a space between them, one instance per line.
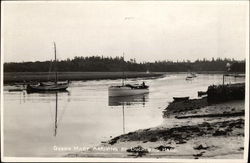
x=46 y=88
x=126 y=91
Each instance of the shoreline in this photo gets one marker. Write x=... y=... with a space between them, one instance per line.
x=14 y=77
x=194 y=138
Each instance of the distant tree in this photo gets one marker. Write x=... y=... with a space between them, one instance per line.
x=97 y=63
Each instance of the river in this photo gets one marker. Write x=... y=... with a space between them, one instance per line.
x=52 y=125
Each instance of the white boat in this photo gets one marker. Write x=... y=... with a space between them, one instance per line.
x=128 y=90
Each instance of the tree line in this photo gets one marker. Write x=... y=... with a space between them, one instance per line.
x=115 y=64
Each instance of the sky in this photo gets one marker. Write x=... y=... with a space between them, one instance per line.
x=145 y=30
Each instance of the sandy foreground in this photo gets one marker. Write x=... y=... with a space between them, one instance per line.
x=214 y=131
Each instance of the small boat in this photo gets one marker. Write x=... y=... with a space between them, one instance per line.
x=189 y=77
x=49 y=86
x=201 y=93
x=177 y=99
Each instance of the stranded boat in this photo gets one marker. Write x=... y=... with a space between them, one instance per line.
x=178 y=99
x=49 y=86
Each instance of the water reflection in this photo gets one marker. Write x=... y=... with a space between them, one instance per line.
x=44 y=96
x=128 y=100
x=125 y=101
x=56 y=114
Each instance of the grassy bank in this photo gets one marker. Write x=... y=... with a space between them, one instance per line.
x=11 y=77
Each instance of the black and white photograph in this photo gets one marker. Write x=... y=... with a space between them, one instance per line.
x=142 y=81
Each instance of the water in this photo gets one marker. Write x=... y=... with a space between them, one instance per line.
x=86 y=116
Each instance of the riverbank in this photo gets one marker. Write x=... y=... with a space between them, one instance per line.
x=191 y=133
x=13 y=77
x=19 y=77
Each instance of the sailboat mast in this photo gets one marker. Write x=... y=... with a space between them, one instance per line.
x=56 y=78
x=123 y=76
x=56 y=115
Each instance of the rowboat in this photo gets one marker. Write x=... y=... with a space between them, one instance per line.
x=177 y=99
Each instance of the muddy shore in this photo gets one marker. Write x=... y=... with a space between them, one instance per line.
x=204 y=136
x=192 y=128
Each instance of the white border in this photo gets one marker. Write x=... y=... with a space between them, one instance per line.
x=246 y=143
x=32 y=159
x=2 y=59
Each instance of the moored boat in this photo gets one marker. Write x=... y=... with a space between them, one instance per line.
x=189 y=77
x=49 y=86
x=128 y=90
x=44 y=88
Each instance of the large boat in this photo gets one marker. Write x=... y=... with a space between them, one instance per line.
x=128 y=90
x=49 y=86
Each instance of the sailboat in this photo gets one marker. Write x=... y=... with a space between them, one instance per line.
x=49 y=86
x=128 y=89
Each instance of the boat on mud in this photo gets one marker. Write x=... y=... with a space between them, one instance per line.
x=49 y=86
x=177 y=99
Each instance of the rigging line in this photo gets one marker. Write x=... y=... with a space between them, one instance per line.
x=63 y=110
x=51 y=115
x=50 y=67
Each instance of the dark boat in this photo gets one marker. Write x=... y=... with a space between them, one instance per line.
x=49 y=86
x=177 y=99
x=45 y=88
